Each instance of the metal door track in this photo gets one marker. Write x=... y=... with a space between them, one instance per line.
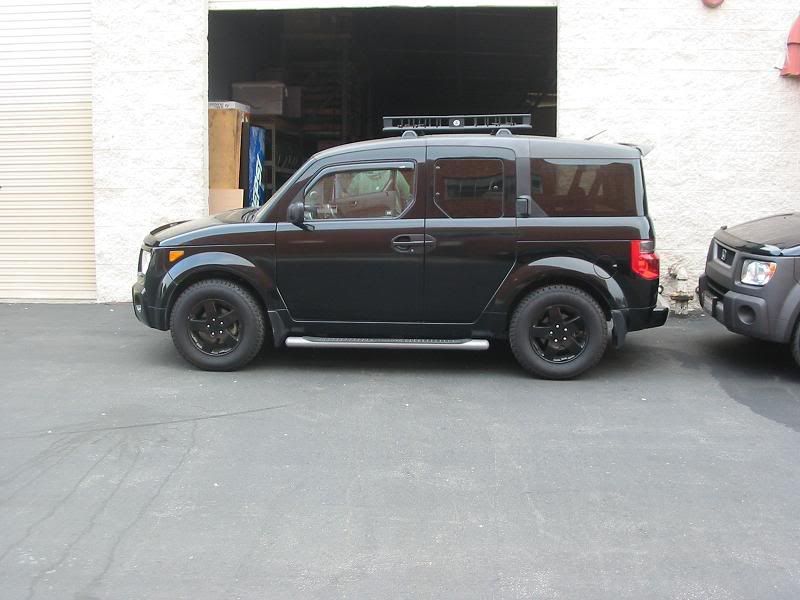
x=391 y=344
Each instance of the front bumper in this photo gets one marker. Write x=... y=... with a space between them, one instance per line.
x=149 y=315
x=740 y=313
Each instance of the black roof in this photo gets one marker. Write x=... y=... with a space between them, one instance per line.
x=535 y=146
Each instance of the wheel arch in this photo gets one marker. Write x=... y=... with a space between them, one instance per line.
x=213 y=265
x=569 y=280
x=571 y=271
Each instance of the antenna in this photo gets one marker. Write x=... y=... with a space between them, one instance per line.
x=591 y=137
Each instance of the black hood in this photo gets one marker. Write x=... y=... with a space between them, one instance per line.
x=179 y=228
x=776 y=235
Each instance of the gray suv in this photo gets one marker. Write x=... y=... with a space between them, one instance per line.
x=752 y=279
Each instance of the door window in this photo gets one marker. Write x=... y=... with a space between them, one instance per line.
x=469 y=187
x=369 y=193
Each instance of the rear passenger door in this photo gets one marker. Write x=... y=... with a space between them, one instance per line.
x=470 y=228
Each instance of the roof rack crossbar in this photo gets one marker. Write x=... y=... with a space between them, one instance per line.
x=457 y=123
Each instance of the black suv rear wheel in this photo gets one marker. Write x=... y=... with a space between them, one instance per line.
x=796 y=343
x=558 y=332
x=217 y=325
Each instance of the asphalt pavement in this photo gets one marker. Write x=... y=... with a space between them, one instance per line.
x=669 y=471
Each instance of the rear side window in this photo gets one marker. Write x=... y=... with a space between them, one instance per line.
x=572 y=188
x=469 y=187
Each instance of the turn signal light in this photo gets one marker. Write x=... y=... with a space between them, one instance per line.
x=644 y=260
x=175 y=255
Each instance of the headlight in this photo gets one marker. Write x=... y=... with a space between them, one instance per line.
x=144 y=260
x=758 y=272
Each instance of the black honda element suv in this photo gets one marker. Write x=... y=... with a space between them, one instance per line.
x=421 y=241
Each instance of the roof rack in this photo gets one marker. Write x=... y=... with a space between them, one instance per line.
x=499 y=124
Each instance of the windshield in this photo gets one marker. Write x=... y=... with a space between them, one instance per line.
x=264 y=210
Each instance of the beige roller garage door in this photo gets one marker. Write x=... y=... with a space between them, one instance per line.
x=46 y=202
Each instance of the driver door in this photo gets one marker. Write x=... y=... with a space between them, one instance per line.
x=354 y=258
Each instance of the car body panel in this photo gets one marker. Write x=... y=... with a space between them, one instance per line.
x=352 y=269
x=348 y=271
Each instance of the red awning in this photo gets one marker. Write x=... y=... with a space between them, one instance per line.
x=792 y=66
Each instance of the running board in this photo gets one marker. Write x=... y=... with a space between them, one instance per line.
x=390 y=344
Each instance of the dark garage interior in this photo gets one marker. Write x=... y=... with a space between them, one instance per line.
x=347 y=68
x=354 y=66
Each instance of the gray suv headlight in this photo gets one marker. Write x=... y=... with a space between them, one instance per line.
x=758 y=272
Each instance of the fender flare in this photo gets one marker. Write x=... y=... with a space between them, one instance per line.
x=216 y=264
x=565 y=268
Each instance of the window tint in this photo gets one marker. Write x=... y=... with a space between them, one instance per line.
x=573 y=189
x=361 y=194
x=469 y=188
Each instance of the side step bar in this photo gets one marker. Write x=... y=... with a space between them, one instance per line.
x=390 y=344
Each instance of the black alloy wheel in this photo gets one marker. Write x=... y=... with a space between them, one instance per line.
x=559 y=335
x=217 y=325
x=214 y=327
x=558 y=332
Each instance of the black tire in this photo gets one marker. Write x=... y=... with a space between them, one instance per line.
x=537 y=332
x=796 y=343
x=201 y=334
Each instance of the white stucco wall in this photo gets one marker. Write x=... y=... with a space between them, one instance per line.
x=149 y=127
x=700 y=84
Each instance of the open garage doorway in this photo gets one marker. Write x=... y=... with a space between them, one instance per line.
x=347 y=68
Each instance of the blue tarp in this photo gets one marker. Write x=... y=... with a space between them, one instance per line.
x=255 y=186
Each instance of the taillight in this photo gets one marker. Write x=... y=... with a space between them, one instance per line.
x=644 y=260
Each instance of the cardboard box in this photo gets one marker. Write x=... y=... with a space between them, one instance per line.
x=225 y=126
x=269 y=98
x=220 y=200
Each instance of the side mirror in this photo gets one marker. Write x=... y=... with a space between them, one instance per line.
x=524 y=206
x=296 y=213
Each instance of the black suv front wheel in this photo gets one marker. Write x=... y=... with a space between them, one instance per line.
x=217 y=325
x=558 y=332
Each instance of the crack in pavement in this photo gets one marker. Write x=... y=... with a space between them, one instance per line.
x=112 y=554
x=57 y=505
x=65 y=450
x=35 y=434
x=92 y=521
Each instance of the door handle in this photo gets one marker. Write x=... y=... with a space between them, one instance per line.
x=406 y=243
